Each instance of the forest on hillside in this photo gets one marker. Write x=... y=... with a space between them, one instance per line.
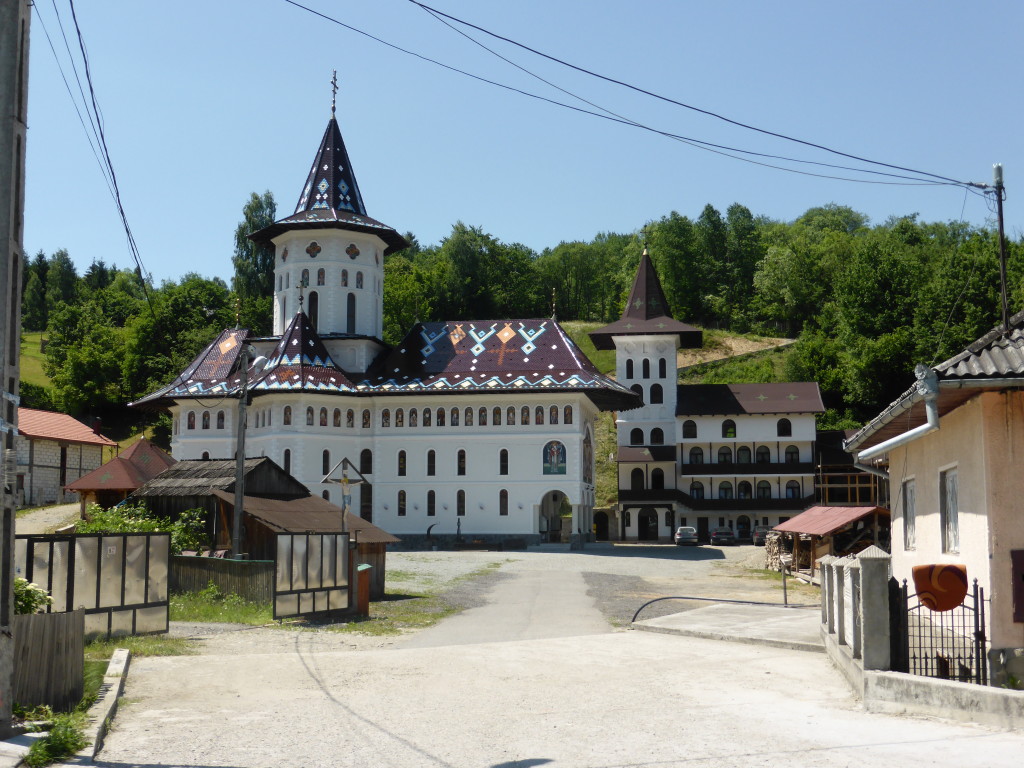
x=865 y=302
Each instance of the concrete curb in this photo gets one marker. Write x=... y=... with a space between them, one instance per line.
x=792 y=645
x=103 y=710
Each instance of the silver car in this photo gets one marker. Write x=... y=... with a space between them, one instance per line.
x=686 y=535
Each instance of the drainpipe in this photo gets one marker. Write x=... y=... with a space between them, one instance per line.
x=928 y=387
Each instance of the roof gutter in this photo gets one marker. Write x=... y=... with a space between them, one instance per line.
x=927 y=387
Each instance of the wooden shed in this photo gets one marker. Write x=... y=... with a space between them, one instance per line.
x=834 y=530
x=111 y=483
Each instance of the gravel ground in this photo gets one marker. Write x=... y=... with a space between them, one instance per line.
x=46 y=519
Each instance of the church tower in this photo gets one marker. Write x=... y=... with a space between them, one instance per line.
x=329 y=258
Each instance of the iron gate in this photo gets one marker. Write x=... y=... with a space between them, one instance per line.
x=950 y=645
x=311 y=574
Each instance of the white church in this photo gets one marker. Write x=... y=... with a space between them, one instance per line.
x=483 y=429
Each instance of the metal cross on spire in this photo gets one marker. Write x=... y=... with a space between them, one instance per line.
x=334 y=90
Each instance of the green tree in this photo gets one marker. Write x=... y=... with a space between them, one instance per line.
x=254 y=263
x=33 y=304
x=83 y=354
x=61 y=280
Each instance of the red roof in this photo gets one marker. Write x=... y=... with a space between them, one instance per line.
x=131 y=469
x=47 y=425
x=821 y=521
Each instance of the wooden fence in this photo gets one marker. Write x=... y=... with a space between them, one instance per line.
x=49 y=659
x=249 y=579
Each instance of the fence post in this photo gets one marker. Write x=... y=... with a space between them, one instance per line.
x=874 y=603
x=827 y=603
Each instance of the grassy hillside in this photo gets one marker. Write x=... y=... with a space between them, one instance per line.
x=32 y=359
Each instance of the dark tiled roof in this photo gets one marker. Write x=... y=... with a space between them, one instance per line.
x=301 y=362
x=47 y=425
x=198 y=477
x=726 y=399
x=646 y=313
x=139 y=463
x=212 y=373
x=641 y=453
x=493 y=356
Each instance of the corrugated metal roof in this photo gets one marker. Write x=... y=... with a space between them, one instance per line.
x=196 y=477
x=821 y=521
x=727 y=399
x=46 y=425
x=993 y=355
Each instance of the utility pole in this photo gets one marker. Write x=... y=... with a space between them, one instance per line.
x=236 y=527
x=997 y=172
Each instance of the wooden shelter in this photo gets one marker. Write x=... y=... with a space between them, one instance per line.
x=834 y=530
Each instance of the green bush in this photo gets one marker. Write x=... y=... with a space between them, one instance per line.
x=65 y=738
x=187 y=532
x=29 y=597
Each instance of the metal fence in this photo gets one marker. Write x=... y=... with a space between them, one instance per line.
x=119 y=579
x=950 y=645
x=312 y=574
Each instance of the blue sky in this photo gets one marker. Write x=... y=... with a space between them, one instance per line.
x=205 y=102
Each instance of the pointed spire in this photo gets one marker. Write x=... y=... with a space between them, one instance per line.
x=331 y=183
x=646 y=298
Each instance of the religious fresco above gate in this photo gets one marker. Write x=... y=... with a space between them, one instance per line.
x=554 y=458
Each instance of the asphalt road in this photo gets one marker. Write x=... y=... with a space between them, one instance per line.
x=531 y=676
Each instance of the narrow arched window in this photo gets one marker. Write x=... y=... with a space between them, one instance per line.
x=638 y=389
x=657 y=395
x=636 y=479
x=461 y=464
x=344 y=278
x=503 y=502
x=323 y=417
x=792 y=454
x=401 y=503
x=366 y=419
x=762 y=455
x=481 y=420
x=658 y=479
x=743 y=455
x=326 y=462
x=636 y=436
x=401 y=463
x=220 y=419
x=792 y=490
x=337 y=418
x=743 y=490
x=662 y=368
x=313 y=311
x=359 y=279
x=510 y=416
x=287 y=418
x=431 y=504
x=454 y=421
x=629 y=369
x=440 y=417
x=385 y=418
x=657 y=436
x=538 y=415
x=321 y=276
x=287 y=461
x=309 y=416
x=725 y=490
x=725 y=455
x=206 y=419
x=399 y=417
x=206 y=455
x=696 y=455
x=427 y=417
x=728 y=428
x=469 y=416
x=567 y=414
x=366 y=461
x=503 y=462
x=524 y=415
x=646 y=369
x=764 y=489
x=689 y=429
x=496 y=416
x=413 y=417
x=460 y=503
x=305 y=278
x=431 y=463
x=326 y=495
x=784 y=428
x=553 y=414
x=697 y=489
x=350 y=313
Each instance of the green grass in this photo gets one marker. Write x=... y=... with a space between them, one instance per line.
x=578 y=331
x=65 y=738
x=756 y=368
x=212 y=605
x=31 y=359
x=139 y=645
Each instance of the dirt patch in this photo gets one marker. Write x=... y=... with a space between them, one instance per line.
x=728 y=346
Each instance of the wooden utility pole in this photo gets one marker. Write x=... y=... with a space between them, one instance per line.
x=236 y=524
x=997 y=172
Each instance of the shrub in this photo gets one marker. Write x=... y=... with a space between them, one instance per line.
x=65 y=738
x=187 y=532
x=29 y=597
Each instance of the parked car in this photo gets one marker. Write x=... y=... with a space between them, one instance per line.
x=760 y=534
x=686 y=535
x=723 y=536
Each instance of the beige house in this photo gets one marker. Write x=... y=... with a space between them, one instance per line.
x=953 y=448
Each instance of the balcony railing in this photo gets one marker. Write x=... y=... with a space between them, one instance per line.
x=667 y=495
x=766 y=470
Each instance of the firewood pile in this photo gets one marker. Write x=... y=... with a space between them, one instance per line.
x=773 y=549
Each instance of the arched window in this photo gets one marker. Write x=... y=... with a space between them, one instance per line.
x=743 y=455
x=326 y=495
x=309 y=416
x=744 y=490
x=792 y=490
x=662 y=368
x=431 y=503
x=728 y=428
x=401 y=463
x=567 y=414
x=366 y=461
x=696 y=455
x=503 y=502
x=762 y=455
x=636 y=436
x=401 y=503
x=359 y=279
x=657 y=395
x=784 y=428
x=323 y=417
x=321 y=276
x=336 y=418
x=496 y=416
x=636 y=479
x=313 y=313
x=725 y=455
x=287 y=461
x=503 y=462
x=344 y=278
x=287 y=418
x=427 y=416
x=413 y=417
x=658 y=479
x=431 y=463
x=538 y=414
x=524 y=415
x=510 y=416
x=440 y=417
x=646 y=369
x=399 y=417
x=482 y=417
x=326 y=462
x=461 y=463
x=689 y=429
x=638 y=389
x=366 y=419
x=469 y=416
x=385 y=418
x=657 y=436
x=697 y=489
x=725 y=490
x=460 y=503
x=220 y=419
x=206 y=455
x=206 y=419
x=350 y=313
x=553 y=414
x=305 y=278
x=764 y=489
x=629 y=369
x=792 y=454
